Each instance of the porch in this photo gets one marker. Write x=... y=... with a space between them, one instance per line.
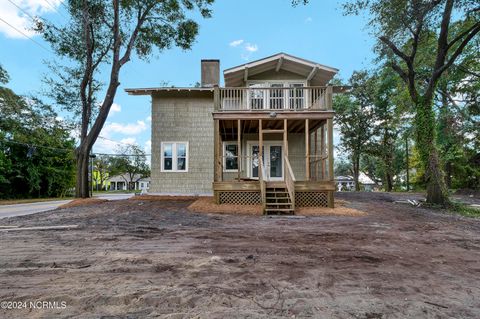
x=281 y=162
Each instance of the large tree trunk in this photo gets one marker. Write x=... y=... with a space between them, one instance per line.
x=388 y=182
x=426 y=139
x=356 y=171
x=82 y=189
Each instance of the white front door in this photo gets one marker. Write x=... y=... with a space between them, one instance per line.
x=272 y=159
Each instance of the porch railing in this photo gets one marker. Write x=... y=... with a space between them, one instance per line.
x=274 y=98
x=290 y=181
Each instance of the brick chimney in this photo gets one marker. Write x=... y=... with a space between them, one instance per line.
x=210 y=73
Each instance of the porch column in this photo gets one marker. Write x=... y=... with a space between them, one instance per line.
x=330 y=149
x=285 y=144
x=239 y=147
x=316 y=153
x=331 y=176
x=323 y=151
x=217 y=167
x=307 y=151
x=260 y=149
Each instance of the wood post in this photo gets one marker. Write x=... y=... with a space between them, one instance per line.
x=316 y=153
x=323 y=151
x=216 y=98
x=330 y=149
x=217 y=168
x=260 y=149
x=307 y=151
x=329 y=96
x=239 y=146
x=285 y=137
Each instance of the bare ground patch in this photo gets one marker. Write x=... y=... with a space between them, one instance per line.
x=157 y=259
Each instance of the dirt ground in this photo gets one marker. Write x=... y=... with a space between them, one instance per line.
x=145 y=259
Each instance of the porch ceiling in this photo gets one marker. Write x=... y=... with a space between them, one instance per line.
x=228 y=128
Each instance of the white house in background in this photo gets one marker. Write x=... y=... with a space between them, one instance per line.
x=119 y=182
x=347 y=183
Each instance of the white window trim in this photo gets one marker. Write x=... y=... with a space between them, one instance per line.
x=174 y=157
x=225 y=157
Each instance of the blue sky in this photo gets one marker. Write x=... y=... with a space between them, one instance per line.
x=238 y=32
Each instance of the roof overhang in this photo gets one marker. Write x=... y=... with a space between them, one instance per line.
x=317 y=74
x=160 y=90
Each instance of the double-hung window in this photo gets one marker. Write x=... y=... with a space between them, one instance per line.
x=174 y=156
x=230 y=157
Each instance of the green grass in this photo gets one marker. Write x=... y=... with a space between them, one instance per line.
x=464 y=210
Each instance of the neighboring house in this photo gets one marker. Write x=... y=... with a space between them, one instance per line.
x=120 y=182
x=265 y=138
x=347 y=183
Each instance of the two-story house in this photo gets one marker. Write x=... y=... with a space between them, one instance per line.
x=266 y=137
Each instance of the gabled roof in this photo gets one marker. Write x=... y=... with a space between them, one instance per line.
x=315 y=72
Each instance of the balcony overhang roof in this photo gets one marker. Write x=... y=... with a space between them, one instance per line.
x=317 y=74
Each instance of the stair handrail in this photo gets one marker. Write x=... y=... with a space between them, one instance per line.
x=290 y=181
x=263 y=184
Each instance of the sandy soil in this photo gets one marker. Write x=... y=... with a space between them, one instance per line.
x=145 y=259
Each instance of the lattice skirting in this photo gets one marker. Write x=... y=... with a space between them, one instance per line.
x=240 y=198
x=311 y=199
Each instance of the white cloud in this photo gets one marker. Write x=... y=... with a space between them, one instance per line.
x=236 y=43
x=19 y=19
x=149 y=119
x=125 y=129
x=308 y=20
x=251 y=47
x=115 y=108
x=129 y=140
x=148 y=147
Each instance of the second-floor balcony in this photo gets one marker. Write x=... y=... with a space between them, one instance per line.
x=280 y=98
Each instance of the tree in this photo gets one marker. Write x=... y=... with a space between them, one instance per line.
x=355 y=120
x=406 y=27
x=36 y=150
x=131 y=165
x=102 y=35
x=389 y=112
x=4 y=78
x=100 y=170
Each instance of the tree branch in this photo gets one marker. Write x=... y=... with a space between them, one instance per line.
x=394 y=48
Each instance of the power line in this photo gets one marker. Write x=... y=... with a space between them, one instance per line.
x=55 y=9
x=26 y=36
x=28 y=14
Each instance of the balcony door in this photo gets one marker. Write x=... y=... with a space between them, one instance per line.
x=276 y=95
x=272 y=159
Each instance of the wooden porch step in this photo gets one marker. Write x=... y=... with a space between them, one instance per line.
x=279 y=204
x=281 y=210
x=284 y=197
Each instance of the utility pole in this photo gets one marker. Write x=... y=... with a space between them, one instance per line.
x=406 y=162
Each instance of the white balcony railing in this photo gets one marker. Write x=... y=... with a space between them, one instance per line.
x=274 y=98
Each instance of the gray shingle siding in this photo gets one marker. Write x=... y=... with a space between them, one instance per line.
x=183 y=119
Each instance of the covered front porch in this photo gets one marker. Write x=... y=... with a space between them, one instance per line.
x=259 y=159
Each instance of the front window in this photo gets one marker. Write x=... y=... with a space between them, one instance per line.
x=230 y=157
x=174 y=156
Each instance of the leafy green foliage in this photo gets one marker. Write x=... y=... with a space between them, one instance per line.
x=4 y=78
x=132 y=165
x=355 y=119
x=36 y=151
x=98 y=40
